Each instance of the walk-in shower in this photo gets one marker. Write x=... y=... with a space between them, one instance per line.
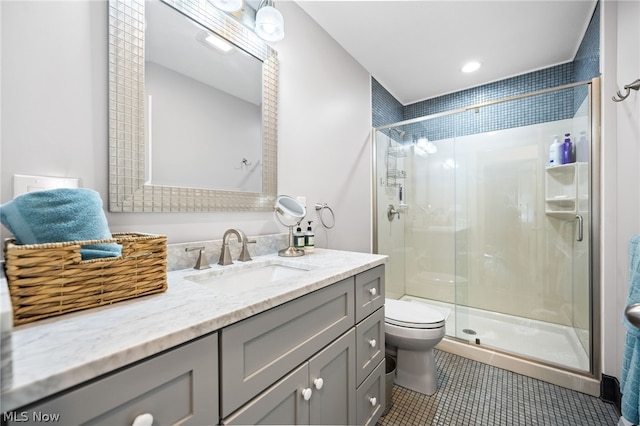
x=476 y=222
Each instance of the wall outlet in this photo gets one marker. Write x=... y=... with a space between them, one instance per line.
x=23 y=184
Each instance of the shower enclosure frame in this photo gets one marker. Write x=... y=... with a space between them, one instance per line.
x=546 y=372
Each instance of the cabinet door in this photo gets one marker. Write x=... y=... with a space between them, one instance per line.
x=370 y=397
x=259 y=350
x=369 y=344
x=369 y=292
x=332 y=375
x=281 y=404
x=179 y=386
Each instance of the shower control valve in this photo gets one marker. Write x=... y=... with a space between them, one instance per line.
x=392 y=212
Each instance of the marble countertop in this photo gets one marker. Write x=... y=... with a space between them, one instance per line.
x=56 y=353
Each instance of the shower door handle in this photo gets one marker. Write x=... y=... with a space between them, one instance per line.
x=580 y=226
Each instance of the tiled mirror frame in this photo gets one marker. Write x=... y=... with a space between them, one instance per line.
x=127 y=189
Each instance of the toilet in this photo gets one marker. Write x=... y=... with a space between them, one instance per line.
x=412 y=330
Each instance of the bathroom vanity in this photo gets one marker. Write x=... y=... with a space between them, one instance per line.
x=303 y=349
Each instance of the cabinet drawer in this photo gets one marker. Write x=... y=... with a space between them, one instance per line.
x=370 y=397
x=258 y=351
x=369 y=292
x=179 y=386
x=369 y=344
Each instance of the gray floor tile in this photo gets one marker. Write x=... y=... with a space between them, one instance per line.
x=472 y=393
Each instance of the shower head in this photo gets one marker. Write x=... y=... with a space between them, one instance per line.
x=399 y=132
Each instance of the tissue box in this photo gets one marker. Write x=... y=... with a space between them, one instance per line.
x=51 y=279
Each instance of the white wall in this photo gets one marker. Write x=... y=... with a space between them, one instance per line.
x=324 y=151
x=54 y=115
x=620 y=51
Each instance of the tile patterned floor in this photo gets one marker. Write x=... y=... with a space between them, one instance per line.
x=472 y=393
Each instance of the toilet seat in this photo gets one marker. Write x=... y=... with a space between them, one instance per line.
x=412 y=315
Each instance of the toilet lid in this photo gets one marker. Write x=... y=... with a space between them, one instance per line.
x=412 y=315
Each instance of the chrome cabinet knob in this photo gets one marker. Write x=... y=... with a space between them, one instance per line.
x=318 y=383
x=373 y=291
x=373 y=343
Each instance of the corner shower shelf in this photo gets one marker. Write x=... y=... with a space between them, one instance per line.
x=566 y=190
x=393 y=173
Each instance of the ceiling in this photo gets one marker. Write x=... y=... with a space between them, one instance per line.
x=416 y=49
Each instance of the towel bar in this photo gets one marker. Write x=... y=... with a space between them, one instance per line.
x=632 y=312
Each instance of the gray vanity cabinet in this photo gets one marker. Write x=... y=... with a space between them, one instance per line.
x=332 y=381
x=370 y=344
x=369 y=397
x=320 y=391
x=258 y=351
x=369 y=292
x=176 y=387
x=310 y=360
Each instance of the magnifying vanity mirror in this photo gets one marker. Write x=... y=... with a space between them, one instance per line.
x=191 y=127
x=293 y=212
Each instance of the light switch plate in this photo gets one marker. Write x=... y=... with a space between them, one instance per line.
x=24 y=183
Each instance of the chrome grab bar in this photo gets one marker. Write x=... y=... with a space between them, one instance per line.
x=580 y=225
x=632 y=312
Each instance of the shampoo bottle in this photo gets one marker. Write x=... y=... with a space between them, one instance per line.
x=309 y=239
x=555 y=158
x=567 y=149
x=298 y=238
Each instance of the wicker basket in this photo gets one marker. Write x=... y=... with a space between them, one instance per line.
x=50 y=279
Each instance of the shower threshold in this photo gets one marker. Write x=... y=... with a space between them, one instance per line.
x=537 y=340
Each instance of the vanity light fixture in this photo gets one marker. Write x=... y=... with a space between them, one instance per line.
x=227 y=5
x=213 y=41
x=471 y=66
x=269 y=22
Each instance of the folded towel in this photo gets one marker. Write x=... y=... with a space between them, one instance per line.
x=630 y=377
x=60 y=215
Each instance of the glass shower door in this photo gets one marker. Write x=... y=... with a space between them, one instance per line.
x=523 y=277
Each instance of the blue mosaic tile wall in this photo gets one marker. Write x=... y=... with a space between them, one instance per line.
x=587 y=61
x=385 y=108
x=542 y=108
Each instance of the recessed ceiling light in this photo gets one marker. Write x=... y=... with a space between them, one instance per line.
x=471 y=66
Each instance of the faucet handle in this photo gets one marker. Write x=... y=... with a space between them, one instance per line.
x=244 y=253
x=202 y=262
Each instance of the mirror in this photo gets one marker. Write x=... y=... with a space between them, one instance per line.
x=161 y=160
x=293 y=211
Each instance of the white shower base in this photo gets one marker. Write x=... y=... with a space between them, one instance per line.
x=536 y=340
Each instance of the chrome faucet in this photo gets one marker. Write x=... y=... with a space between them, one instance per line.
x=225 y=253
x=202 y=262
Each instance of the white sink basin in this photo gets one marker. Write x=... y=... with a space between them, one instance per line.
x=233 y=281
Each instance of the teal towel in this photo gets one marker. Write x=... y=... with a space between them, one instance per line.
x=630 y=381
x=60 y=215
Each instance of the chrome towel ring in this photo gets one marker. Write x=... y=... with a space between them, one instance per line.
x=322 y=207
